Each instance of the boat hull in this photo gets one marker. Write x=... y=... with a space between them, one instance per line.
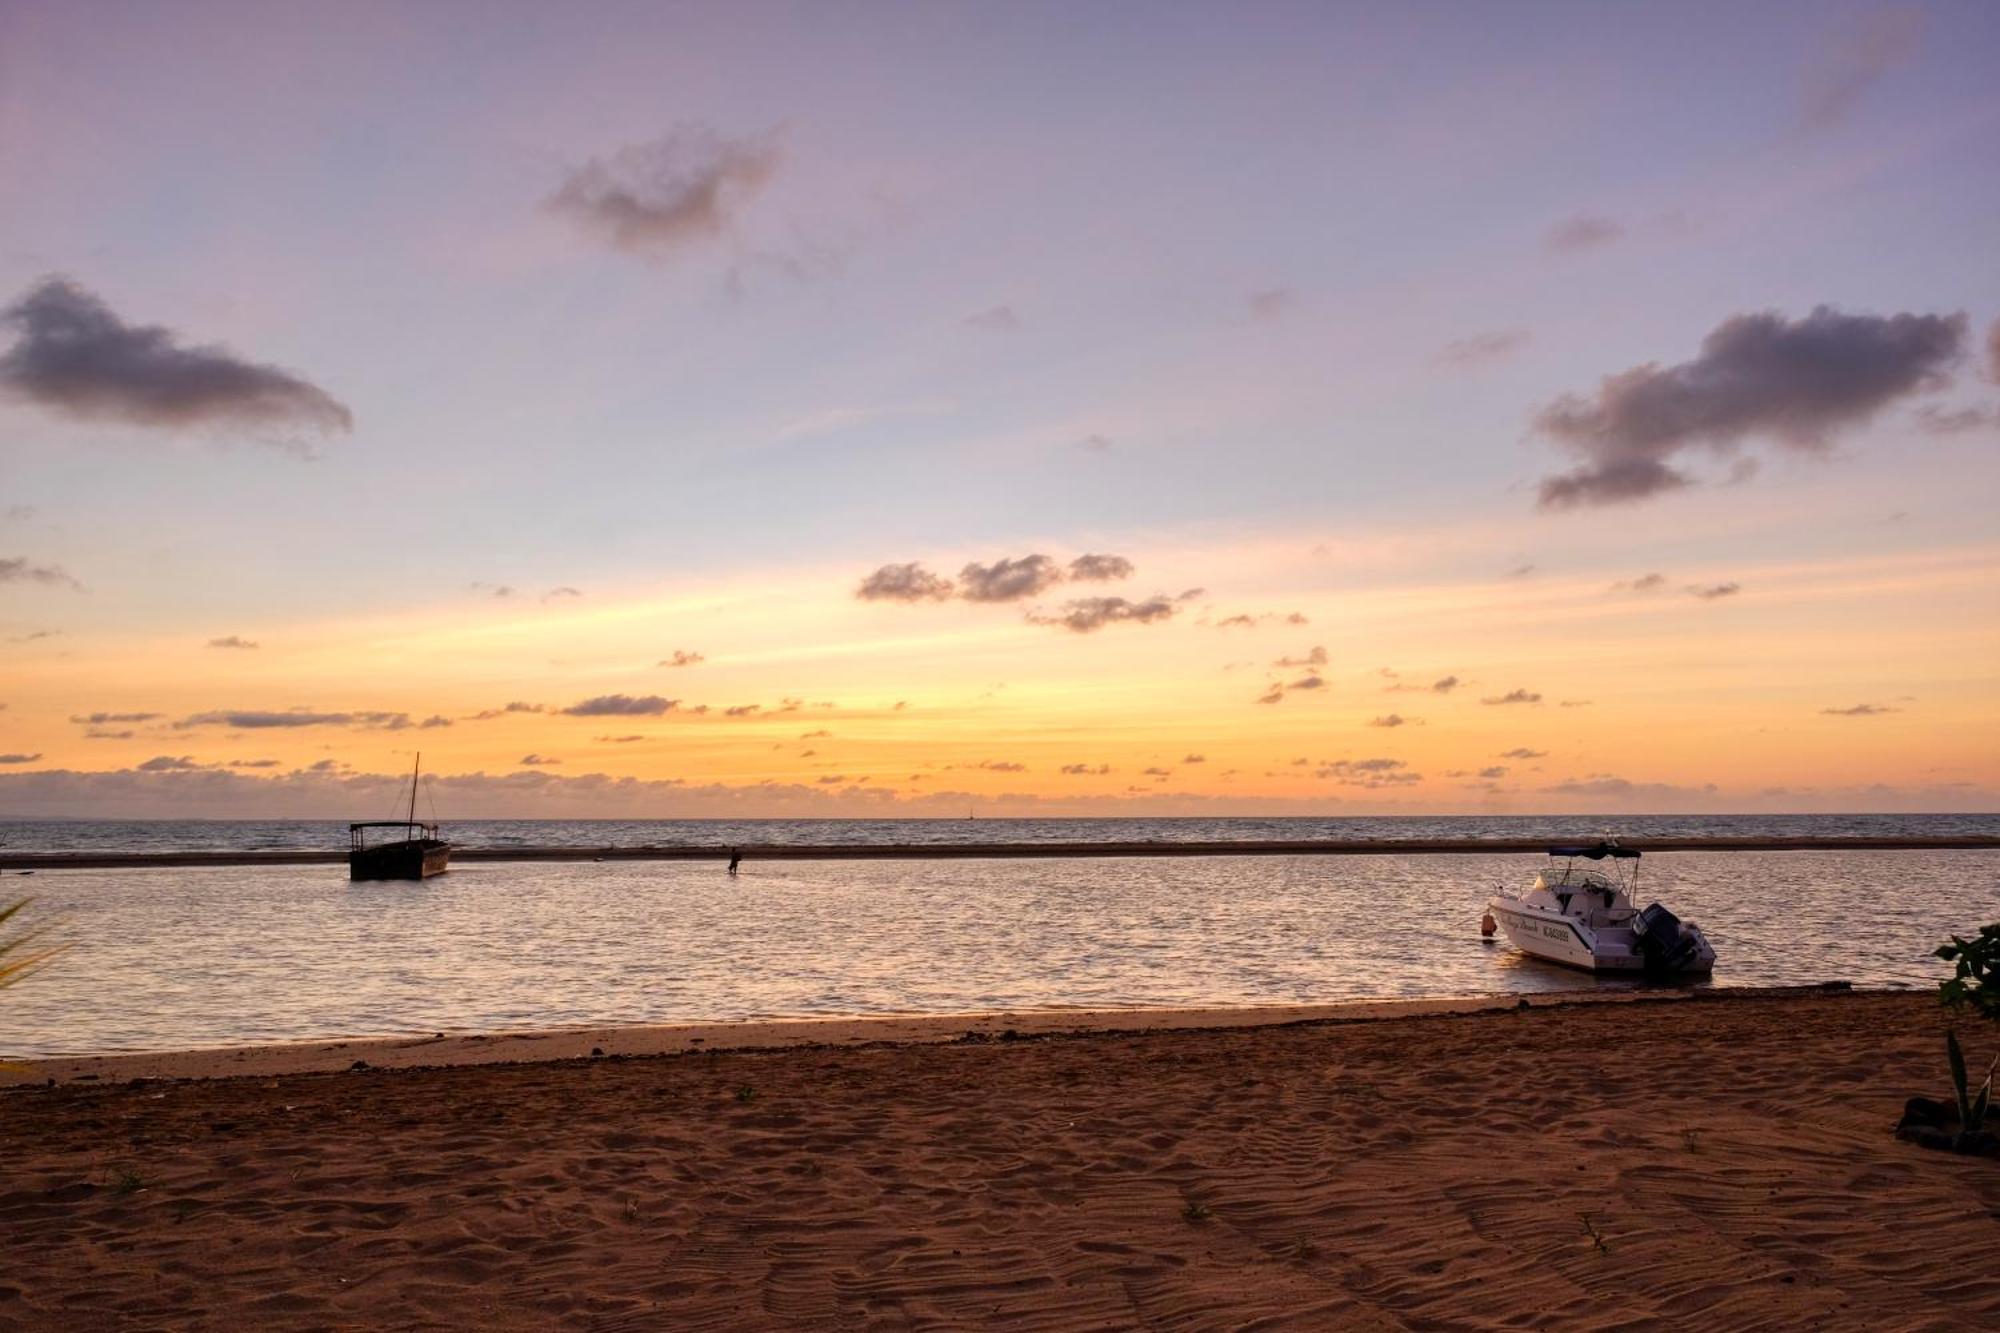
x=1557 y=938
x=414 y=859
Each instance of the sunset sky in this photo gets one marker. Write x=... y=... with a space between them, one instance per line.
x=903 y=409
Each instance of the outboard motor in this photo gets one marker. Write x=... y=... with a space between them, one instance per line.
x=1667 y=947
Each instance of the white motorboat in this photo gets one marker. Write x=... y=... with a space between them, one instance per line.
x=1580 y=916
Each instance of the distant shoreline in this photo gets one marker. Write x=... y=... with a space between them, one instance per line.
x=941 y=851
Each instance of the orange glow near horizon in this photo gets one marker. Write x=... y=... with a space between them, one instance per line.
x=874 y=707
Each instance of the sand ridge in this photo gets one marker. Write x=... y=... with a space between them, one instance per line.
x=1714 y=1164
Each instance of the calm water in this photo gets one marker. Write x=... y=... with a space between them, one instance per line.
x=166 y=959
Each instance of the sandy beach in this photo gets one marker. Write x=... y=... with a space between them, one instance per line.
x=1715 y=1163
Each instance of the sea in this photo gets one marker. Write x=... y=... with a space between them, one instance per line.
x=181 y=958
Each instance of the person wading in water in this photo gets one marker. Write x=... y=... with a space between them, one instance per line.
x=735 y=859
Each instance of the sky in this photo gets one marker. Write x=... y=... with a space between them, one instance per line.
x=906 y=410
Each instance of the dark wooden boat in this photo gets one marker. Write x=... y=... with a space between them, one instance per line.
x=418 y=854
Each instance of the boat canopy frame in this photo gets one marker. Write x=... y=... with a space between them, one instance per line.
x=358 y=839
x=1597 y=851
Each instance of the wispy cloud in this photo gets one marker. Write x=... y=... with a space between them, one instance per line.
x=251 y=719
x=1484 y=349
x=681 y=658
x=904 y=583
x=517 y=706
x=19 y=569
x=1244 y=620
x=657 y=199
x=232 y=641
x=622 y=705
x=1582 y=232
x=1514 y=697
x=1798 y=382
x=1442 y=685
x=1087 y=615
x=1610 y=785
x=537 y=761
x=994 y=319
x=1378 y=772
x=20 y=758
x=1100 y=568
x=1709 y=592
x=1011 y=580
x=1935 y=420
x=1271 y=303
x=1860 y=710
x=1853 y=61
x=75 y=357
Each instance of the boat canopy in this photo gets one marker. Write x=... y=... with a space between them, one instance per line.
x=1598 y=851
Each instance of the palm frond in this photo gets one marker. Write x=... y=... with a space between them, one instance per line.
x=18 y=956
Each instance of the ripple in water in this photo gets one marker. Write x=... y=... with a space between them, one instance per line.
x=170 y=959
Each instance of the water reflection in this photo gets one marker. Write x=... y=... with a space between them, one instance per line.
x=176 y=958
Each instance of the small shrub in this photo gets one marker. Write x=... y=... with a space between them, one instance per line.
x=1975 y=985
x=746 y=1094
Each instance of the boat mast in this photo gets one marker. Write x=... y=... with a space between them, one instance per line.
x=414 y=770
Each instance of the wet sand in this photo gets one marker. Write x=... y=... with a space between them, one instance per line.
x=1709 y=1162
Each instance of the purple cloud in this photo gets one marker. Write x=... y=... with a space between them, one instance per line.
x=1796 y=381
x=77 y=358
x=655 y=199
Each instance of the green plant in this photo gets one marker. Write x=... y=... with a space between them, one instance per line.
x=1197 y=1212
x=1972 y=1106
x=1975 y=985
x=746 y=1094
